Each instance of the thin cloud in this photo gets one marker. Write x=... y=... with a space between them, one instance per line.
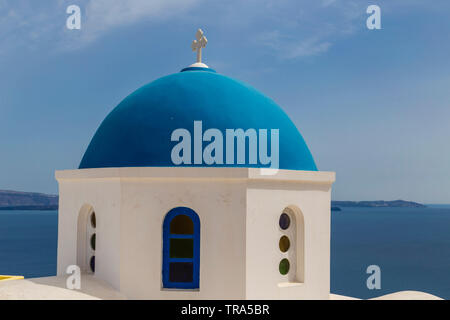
x=103 y=16
x=302 y=27
x=310 y=28
x=310 y=47
x=25 y=24
x=289 y=47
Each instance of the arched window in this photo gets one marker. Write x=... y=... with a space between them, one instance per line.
x=92 y=225
x=291 y=245
x=181 y=249
x=86 y=239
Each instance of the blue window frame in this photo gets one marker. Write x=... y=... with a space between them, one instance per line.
x=181 y=249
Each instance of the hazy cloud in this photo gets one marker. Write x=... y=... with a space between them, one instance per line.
x=30 y=24
x=302 y=27
x=307 y=28
x=289 y=47
x=102 y=16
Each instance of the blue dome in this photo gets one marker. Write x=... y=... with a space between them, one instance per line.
x=137 y=133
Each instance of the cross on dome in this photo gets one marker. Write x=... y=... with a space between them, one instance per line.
x=198 y=45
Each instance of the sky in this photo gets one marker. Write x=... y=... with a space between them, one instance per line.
x=372 y=105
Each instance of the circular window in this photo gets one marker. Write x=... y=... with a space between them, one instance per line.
x=92 y=263
x=93 y=241
x=93 y=220
x=285 y=244
x=284 y=266
x=285 y=221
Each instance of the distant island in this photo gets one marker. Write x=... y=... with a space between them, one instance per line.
x=15 y=200
x=336 y=205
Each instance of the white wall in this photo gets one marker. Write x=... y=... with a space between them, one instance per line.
x=104 y=196
x=265 y=204
x=221 y=209
x=238 y=211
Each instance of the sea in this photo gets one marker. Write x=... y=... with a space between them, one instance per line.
x=411 y=247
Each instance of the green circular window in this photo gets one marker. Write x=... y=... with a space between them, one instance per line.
x=285 y=244
x=285 y=221
x=93 y=220
x=284 y=266
x=93 y=241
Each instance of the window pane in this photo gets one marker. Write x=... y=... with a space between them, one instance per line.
x=284 y=266
x=181 y=272
x=93 y=242
x=284 y=244
x=285 y=221
x=92 y=263
x=181 y=248
x=93 y=220
x=181 y=224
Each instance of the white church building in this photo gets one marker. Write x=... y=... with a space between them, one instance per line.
x=197 y=186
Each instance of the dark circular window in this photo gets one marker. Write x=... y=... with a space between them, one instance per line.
x=93 y=241
x=284 y=266
x=285 y=244
x=93 y=220
x=92 y=263
x=285 y=221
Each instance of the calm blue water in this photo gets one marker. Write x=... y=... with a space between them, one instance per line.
x=411 y=246
x=28 y=243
